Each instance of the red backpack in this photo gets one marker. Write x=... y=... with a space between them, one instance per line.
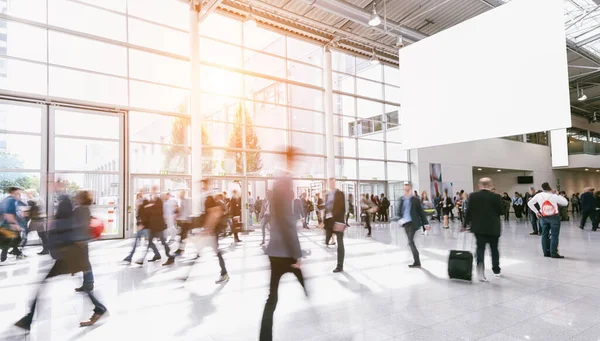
x=547 y=209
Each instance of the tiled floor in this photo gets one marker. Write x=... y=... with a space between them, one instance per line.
x=377 y=298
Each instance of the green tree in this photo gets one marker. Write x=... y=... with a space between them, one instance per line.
x=177 y=154
x=253 y=158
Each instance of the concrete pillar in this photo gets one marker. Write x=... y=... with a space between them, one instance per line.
x=329 y=133
x=196 y=122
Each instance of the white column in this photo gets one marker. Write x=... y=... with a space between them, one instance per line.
x=329 y=135
x=196 y=123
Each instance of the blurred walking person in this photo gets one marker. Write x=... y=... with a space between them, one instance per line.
x=385 y=207
x=446 y=206
x=284 y=247
x=184 y=220
x=170 y=210
x=11 y=233
x=412 y=217
x=235 y=213
x=588 y=207
x=335 y=208
x=368 y=208
x=265 y=214
x=156 y=220
x=350 y=208
x=68 y=246
x=320 y=207
x=37 y=214
x=142 y=219
x=483 y=216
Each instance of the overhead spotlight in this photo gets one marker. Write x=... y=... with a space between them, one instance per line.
x=375 y=18
x=597 y=170
x=250 y=21
x=582 y=98
x=499 y=170
x=479 y=169
x=587 y=169
x=400 y=42
x=374 y=60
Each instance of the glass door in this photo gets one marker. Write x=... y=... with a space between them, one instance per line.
x=85 y=152
x=350 y=192
x=138 y=185
x=395 y=192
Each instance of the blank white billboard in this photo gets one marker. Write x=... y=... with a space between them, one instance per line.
x=559 y=148
x=499 y=74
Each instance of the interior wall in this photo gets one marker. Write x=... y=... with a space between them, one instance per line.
x=504 y=182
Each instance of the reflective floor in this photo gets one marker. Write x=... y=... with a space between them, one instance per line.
x=377 y=298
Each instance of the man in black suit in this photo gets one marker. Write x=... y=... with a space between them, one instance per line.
x=412 y=218
x=588 y=208
x=483 y=215
x=335 y=210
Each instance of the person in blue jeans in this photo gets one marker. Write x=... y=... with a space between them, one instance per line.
x=143 y=222
x=548 y=213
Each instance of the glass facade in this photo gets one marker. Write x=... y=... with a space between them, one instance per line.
x=261 y=91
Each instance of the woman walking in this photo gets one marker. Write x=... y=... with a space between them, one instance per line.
x=446 y=205
x=507 y=203
x=518 y=206
x=69 y=236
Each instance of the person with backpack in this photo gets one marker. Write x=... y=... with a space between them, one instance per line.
x=548 y=213
x=588 y=207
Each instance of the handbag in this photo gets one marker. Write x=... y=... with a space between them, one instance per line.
x=96 y=228
x=339 y=227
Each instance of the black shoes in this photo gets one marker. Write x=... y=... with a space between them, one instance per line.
x=179 y=252
x=85 y=288
x=533 y=234
x=557 y=256
x=44 y=252
x=336 y=270
x=25 y=323
x=4 y=255
x=415 y=266
x=154 y=259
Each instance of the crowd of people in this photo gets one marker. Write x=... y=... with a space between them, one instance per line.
x=169 y=220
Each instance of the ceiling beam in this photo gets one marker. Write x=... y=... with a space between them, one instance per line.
x=207 y=8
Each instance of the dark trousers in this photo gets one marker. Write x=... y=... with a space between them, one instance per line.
x=410 y=230
x=368 y=223
x=161 y=236
x=550 y=232
x=533 y=219
x=576 y=208
x=215 y=246
x=138 y=236
x=341 y=251
x=584 y=216
x=44 y=238
x=385 y=214
x=506 y=213
x=482 y=240
x=279 y=267
x=99 y=308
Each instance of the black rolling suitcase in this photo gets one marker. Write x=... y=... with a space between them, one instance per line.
x=460 y=265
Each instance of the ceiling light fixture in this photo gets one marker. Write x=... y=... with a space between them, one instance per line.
x=375 y=18
x=478 y=169
x=581 y=96
x=374 y=60
x=587 y=169
x=499 y=170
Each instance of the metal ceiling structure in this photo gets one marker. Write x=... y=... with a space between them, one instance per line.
x=343 y=24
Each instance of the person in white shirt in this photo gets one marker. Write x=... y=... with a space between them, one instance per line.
x=548 y=202
x=169 y=213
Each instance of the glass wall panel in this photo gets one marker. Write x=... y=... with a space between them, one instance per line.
x=83 y=53
x=34 y=10
x=345 y=146
x=266 y=139
x=153 y=158
x=309 y=143
x=370 y=149
x=344 y=126
x=344 y=83
x=20 y=151
x=220 y=81
x=268 y=115
x=393 y=134
x=115 y=5
x=20 y=179
x=104 y=187
x=265 y=90
x=345 y=168
x=368 y=109
x=391 y=75
x=85 y=155
x=158 y=97
x=310 y=121
x=223 y=28
x=369 y=89
x=306 y=98
x=392 y=93
x=159 y=69
x=26 y=41
x=304 y=51
x=20 y=118
x=395 y=152
x=168 y=12
x=220 y=53
x=19 y=76
x=343 y=62
x=87 y=86
x=365 y=69
x=145 y=127
x=269 y=165
x=219 y=108
x=309 y=166
x=371 y=170
x=344 y=105
x=265 y=40
x=76 y=124
x=222 y=162
x=86 y=19
x=158 y=37
x=265 y=64
x=220 y=134
x=305 y=74
x=397 y=171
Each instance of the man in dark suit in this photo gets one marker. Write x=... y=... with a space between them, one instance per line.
x=335 y=210
x=483 y=215
x=412 y=218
